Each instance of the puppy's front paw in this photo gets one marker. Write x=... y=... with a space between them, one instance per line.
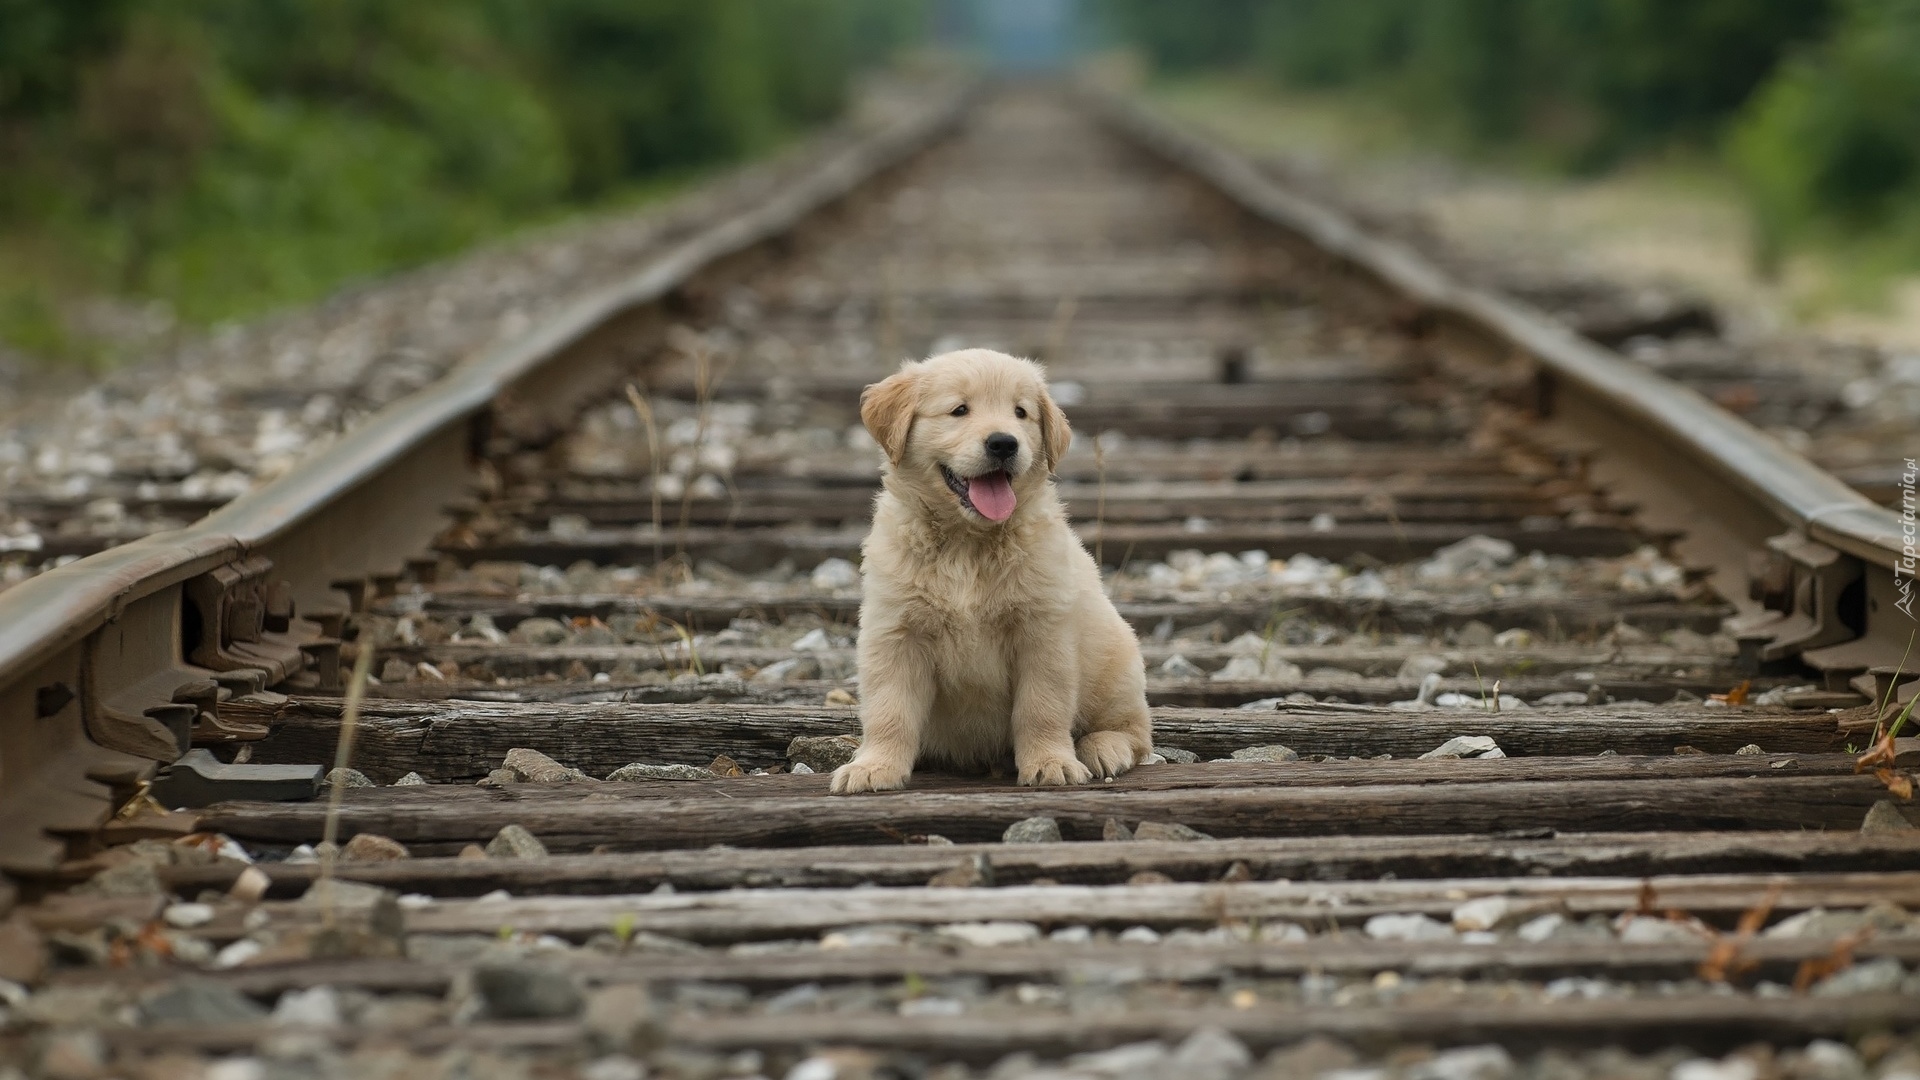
x=1107 y=753
x=870 y=774
x=1053 y=770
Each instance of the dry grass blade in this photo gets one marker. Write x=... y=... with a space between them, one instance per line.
x=1727 y=958
x=1100 y=503
x=342 y=754
x=644 y=409
x=1841 y=958
x=1058 y=327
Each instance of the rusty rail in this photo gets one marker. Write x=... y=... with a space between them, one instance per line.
x=92 y=653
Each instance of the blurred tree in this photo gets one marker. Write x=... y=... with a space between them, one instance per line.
x=228 y=155
x=1832 y=144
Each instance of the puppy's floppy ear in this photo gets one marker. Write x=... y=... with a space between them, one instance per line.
x=886 y=408
x=1055 y=435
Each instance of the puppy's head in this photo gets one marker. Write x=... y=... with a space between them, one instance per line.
x=974 y=430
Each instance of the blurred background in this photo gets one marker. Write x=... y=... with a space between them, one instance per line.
x=171 y=165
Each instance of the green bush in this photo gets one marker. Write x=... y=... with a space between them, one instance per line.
x=231 y=155
x=1831 y=146
x=1587 y=80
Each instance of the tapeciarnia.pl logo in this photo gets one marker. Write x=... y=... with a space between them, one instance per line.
x=1903 y=570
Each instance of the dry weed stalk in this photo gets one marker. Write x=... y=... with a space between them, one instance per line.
x=342 y=754
x=1727 y=958
x=1057 y=327
x=1099 y=503
x=644 y=409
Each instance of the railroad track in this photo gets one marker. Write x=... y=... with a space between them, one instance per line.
x=1512 y=699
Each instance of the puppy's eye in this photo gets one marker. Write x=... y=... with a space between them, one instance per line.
x=1019 y=412
x=959 y=410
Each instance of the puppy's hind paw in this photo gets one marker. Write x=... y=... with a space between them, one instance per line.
x=1053 y=771
x=1107 y=753
x=869 y=775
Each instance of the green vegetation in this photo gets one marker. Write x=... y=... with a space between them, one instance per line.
x=228 y=156
x=1814 y=103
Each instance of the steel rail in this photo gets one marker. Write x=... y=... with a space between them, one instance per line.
x=71 y=638
x=1742 y=498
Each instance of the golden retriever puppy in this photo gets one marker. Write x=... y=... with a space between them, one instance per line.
x=984 y=632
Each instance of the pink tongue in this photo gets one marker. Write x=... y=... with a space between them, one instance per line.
x=992 y=495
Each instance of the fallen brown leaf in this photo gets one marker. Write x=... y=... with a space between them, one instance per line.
x=1899 y=783
x=1727 y=958
x=1735 y=696
x=1814 y=969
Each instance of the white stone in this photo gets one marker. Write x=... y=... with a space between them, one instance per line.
x=814 y=640
x=1133 y=1059
x=1646 y=930
x=1461 y=746
x=834 y=574
x=1465 y=1063
x=316 y=1006
x=237 y=953
x=814 y=1068
x=1733 y=1068
x=1825 y=1059
x=613 y=1067
x=1210 y=1054
x=1421 y=665
x=1140 y=935
x=1564 y=697
x=1540 y=929
x=237 y=1069
x=1179 y=667
x=188 y=916
x=1408 y=928
x=990 y=934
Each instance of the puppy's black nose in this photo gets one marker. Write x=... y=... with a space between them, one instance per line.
x=1002 y=445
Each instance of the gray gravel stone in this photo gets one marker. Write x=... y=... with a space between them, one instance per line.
x=352 y=778
x=515 y=842
x=990 y=934
x=1033 y=830
x=1408 y=928
x=1462 y=746
x=1114 y=830
x=1177 y=755
x=1465 y=1063
x=317 y=1006
x=641 y=771
x=1179 y=667
x=538 y=631
x=834 y=574
x=1167 y=830
x=1141 y=1059
x=1210 y=1054
x=526 y=992
x=412 y=779
x=534 y=767
x=1884 y=817
x=823 y=753
x=200 y=1003
x=1274 y=752
x=1880 y=976
x=1420 y=665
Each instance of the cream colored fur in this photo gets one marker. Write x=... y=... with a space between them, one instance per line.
x=979 y=640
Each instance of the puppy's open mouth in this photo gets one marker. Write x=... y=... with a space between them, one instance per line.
x=990 y=494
